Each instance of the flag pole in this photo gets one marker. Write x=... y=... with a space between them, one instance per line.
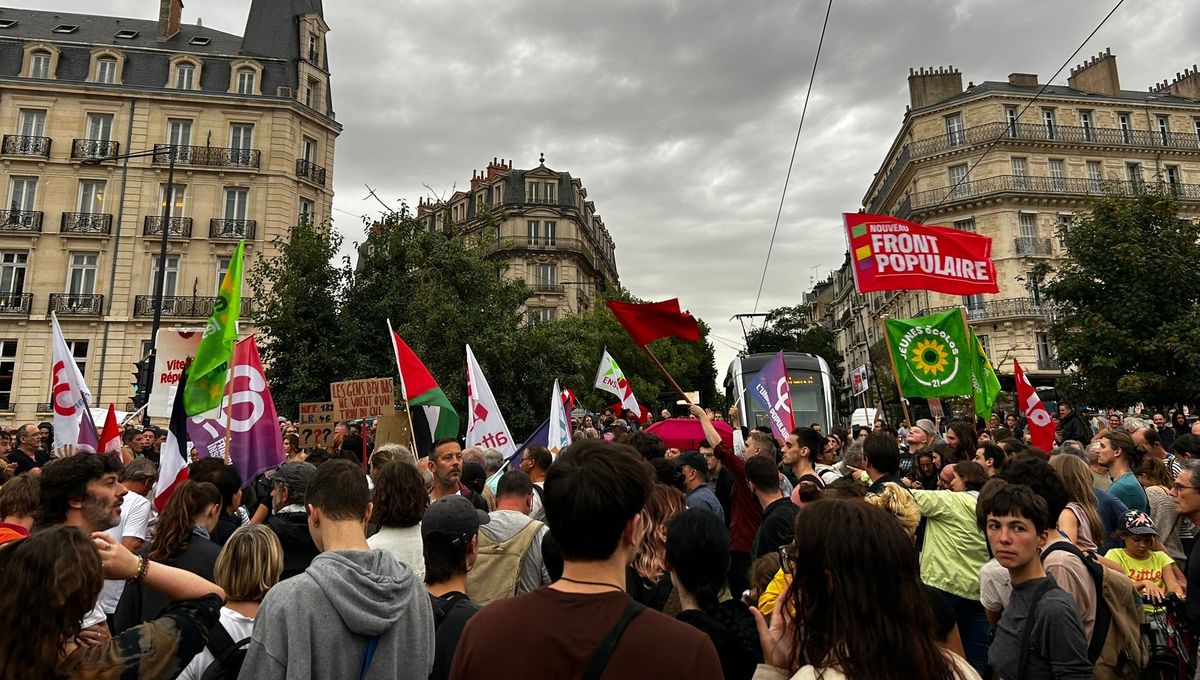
x=667 y=375
x=228 y=398
x=412 y=430
x=895 y=371
x=970 y=336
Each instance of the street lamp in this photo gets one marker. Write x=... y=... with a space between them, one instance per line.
x=159 y=280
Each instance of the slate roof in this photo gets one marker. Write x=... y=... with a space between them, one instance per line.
x=1004 y=87
x=101 y=30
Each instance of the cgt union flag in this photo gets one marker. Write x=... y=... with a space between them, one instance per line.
x=889 y=253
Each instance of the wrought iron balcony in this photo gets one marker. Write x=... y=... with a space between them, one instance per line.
x=232 y=229
x=545 y=287
x=539 y=243
x=306 y=169
x=67 y=304
x=1067 y=186
x=893 y=175
x=1031 y=245
x=21 y=220
x=86 y=223
x=179 y=227
x=16 y=304
x=1054 y=134
x=183 y=306
x=24 y=145
x=541 y=200
x=208 y=156
x=94 y=148
x=45 y=407
x=1047 y=364
x=1008 y=308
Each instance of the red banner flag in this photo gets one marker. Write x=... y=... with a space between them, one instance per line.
x=888 y=253
x=1037 y=418
x=650 y=321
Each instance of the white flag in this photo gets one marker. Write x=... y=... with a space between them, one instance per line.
x=559 y=437
x=486 y=427
x=610 y=379
x=68 y=393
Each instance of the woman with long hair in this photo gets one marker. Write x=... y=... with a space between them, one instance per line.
x=51 y=581
x=1080 y=520
x=1156 y=480
x=181 y=539
x=400 y=501
x=249 y=565
x=646 y=579
x=841 y=619
x=1179 y=423
x=698 y=558
x=960 y=435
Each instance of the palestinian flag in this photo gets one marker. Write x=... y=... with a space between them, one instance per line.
x=173 y=461
x=433 y=416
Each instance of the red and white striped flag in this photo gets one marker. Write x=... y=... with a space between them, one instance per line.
x=173 y=461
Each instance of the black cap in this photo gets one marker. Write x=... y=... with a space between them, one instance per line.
x=693 y=459
x=452 y=517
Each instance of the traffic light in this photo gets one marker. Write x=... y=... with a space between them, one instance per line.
x=141 y=383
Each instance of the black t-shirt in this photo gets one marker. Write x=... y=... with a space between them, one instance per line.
x=776 y=529
x=23 y=461
x=450 y=615
x=1191 y=606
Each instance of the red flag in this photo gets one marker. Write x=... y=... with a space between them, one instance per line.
x=651 y=321
x=110 y=438
x=889 y=253
x=172 y=465
x=1037 y=418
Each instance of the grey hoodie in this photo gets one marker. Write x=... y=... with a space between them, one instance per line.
x=316 y=624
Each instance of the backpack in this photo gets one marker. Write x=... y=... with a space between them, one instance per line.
x=497 y=569
x=1116 y=646
x=228 y=655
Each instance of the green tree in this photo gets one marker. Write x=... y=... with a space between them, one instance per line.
x=791 y=329
x=1127 y=301
x=296 y=305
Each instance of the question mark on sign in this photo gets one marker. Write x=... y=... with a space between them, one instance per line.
x=328 y=431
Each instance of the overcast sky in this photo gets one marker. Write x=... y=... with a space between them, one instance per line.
x=678 y=115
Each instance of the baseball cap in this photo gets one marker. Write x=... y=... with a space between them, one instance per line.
x=1138 y=523
x=295 y=476
x=452 y=517
x=927 y=425
x=692 y=459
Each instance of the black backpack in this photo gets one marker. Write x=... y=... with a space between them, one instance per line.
x=228 y=655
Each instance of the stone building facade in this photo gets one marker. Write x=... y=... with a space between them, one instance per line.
x=543 y=224
x=989 y=158
x=251 y=125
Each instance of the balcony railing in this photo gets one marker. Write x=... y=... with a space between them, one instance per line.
x=1008 y=308
x=544 y=287
x=190 y=306
x=16 y=304
x=1024 y=184
x=209 y=156
x=23 y=145
x=1047 y=364
x=45 y=407
x=21 y=220
x=1057 y=134
x=893 y=175
x=179 y=227
x=1031 y=245
x=232 y=229
x=94 y=148
x=68 y=304
x=86 y=223
x=306 y=169
x=540 y=200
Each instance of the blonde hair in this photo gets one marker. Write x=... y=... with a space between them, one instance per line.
x=249 y=564
x=1077 y=481
x=663 y=504
x=900 y=503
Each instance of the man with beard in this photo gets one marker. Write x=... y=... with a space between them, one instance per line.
x=447 y=461
x=28 y=455
x=82 y=491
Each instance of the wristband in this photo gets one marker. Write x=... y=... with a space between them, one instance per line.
x=143 y=568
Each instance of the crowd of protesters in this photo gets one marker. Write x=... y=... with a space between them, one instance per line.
x=933 y=550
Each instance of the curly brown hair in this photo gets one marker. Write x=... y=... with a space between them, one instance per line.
x=187 y=502
x=59 y=569
x=663 y=504
x=400 y=498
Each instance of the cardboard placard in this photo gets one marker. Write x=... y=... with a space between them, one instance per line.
x=393 y=429
x=315 y=424
x=355 y=399
x=312 y=412
x=316 y=434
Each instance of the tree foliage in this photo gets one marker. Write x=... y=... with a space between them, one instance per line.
x=791 y=329
x=1127 y=299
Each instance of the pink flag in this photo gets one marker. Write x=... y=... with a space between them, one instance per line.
x=254 y=441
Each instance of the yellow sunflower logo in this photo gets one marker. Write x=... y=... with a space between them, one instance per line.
x=930 y=356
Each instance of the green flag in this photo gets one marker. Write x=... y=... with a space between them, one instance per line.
x=206 y=379
x=933 y=355
x=984 y=384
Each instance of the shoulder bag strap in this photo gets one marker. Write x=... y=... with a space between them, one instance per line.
x=1027 y=627
x=219 y=640
x=368 y=654
x=608 y=645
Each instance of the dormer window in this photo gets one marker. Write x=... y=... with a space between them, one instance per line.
x=126 y=35
x=39 y=65
x=200 y=40
x=106 y=66
x=246 y=79
x=185 y=75
x=314 y=50
x=65 y=28
x=106 y=71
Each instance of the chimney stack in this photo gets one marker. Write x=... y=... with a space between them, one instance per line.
x=1097 y=75
x=1186 y=84
x=170 y=13
x=1023 y=79
x=927 y=87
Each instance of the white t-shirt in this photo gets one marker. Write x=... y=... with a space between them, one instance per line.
x=536 y=511
x=135 y=522
x=239 y=628
x=995 y=586
x=404 y=544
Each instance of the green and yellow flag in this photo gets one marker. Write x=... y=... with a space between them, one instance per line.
x=984 y=384
x=206 y=379
x=934 y=355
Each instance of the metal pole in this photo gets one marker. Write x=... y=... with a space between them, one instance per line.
x=160 y=279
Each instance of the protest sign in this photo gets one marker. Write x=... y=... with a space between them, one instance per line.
x=356 y=399
x=392 y=429
x=858 y=380
x=315 y=425
x=889 y=253
x=174 y=346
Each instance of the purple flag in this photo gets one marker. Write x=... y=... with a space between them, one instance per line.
x=255 y=444
x=770 y=389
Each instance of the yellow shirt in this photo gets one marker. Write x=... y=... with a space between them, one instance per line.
x=1149 y=569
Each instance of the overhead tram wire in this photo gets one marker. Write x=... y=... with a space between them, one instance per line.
x=795 y=145
x=1045 y=85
